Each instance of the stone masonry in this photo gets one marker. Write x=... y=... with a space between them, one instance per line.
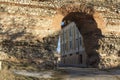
x=20 y=18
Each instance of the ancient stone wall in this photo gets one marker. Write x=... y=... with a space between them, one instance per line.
x=37 y=20
x=28 y=32
x=34 y=20
x=109 y=50
x=100 y=26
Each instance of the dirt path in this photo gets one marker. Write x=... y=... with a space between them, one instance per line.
x=91 y=74
x=44 y=74
x=76 y=74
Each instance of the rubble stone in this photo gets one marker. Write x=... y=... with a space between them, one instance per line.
x=25 y=26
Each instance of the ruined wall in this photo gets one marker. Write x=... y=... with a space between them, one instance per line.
x=34 y=20
x=100 y=26
x=109 y=44
x=28 y=33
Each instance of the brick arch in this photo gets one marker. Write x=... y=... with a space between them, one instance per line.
x=85 y=18
x=83 y=7
x=75 y=10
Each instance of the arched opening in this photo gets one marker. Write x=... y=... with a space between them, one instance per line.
x=88 y=27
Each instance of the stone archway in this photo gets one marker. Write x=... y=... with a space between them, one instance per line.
x=100 y=30
x=87 y=25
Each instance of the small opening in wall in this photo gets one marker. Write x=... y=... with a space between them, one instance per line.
x=70 y=54
x=64 y=60
x=77 y=52
x=80 y=59
x=65 y=56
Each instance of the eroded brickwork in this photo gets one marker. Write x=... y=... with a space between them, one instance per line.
x=41 y=18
